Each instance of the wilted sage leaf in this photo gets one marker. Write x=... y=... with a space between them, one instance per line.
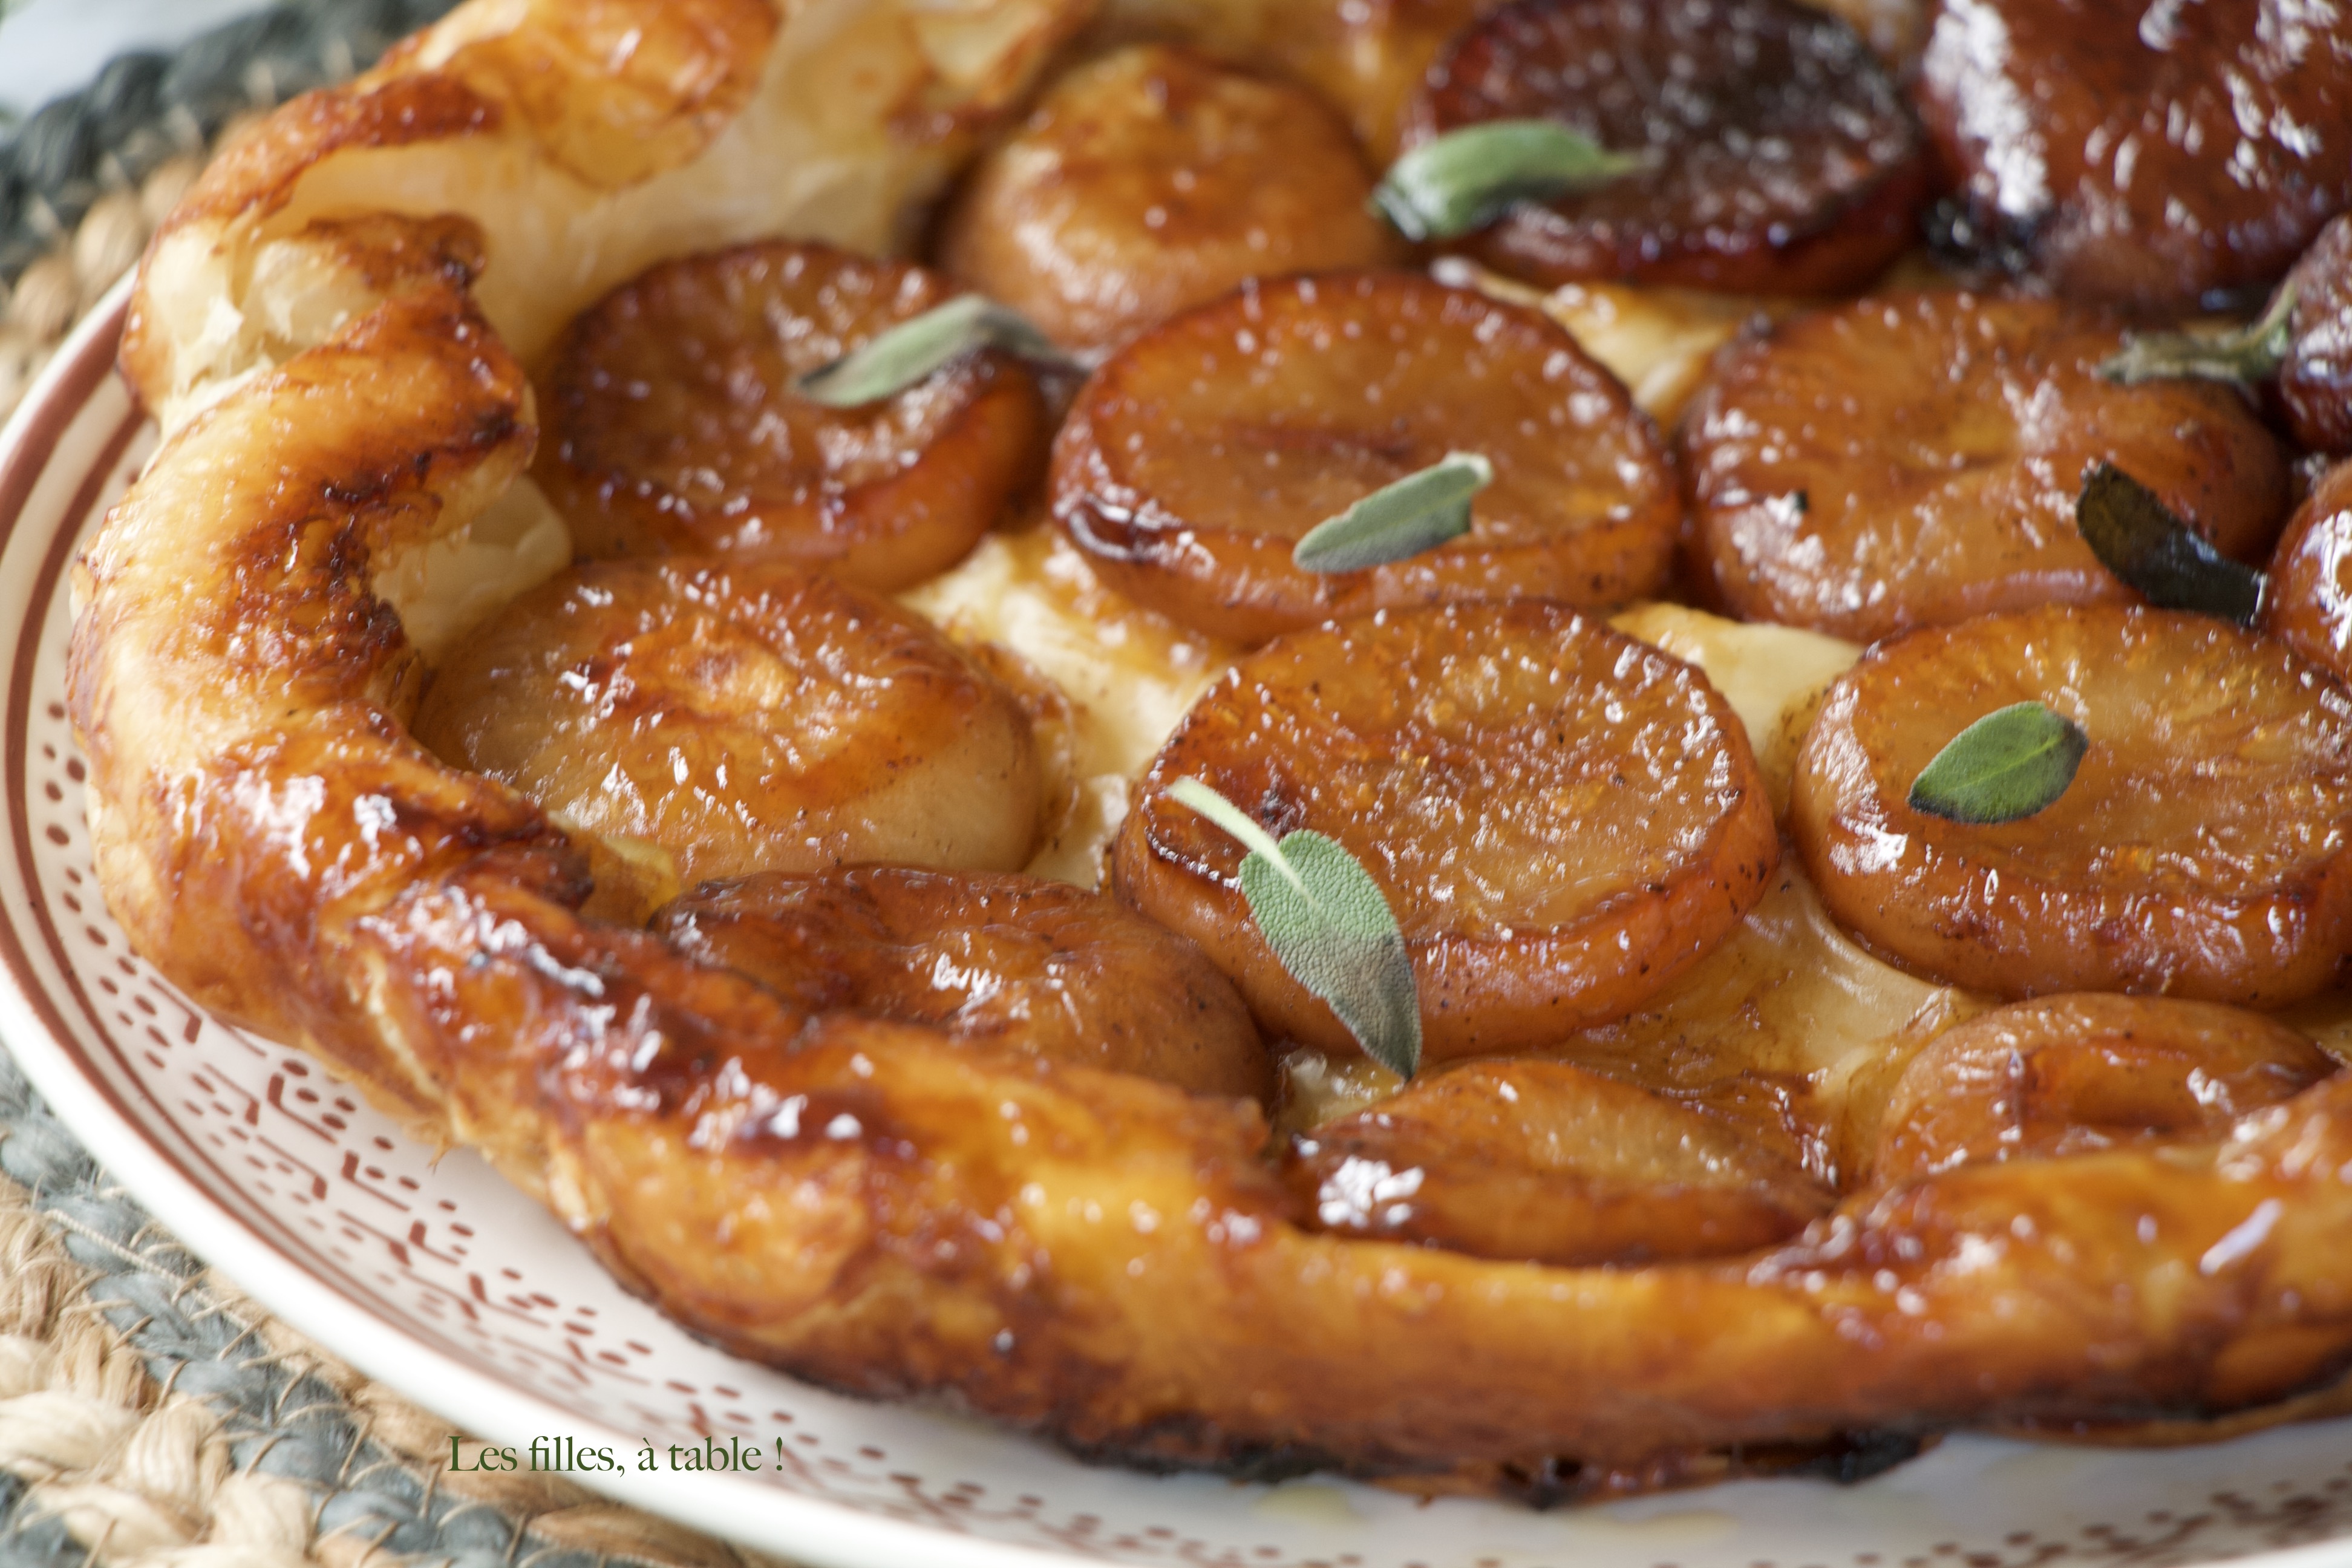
x=1466 y=179
x=1330 y=926
x=2251 y=353
x=2136 y=536
x=1420 y=512
x=920 y=348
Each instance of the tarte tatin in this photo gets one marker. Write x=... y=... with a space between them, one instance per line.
x=493 y=686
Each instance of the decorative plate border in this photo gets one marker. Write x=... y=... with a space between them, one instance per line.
x=316 y=1206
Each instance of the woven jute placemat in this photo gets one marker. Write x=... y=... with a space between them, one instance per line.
x=153 y=1417
x=151 y=1414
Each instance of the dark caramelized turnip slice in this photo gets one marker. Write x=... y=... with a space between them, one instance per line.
x=1543 y=1163
x=746 y=717
x=2203 y=849
x=1153 y=180
x=673 y=425
x=1787 y=161
x=2149 y=155
x=1916 y=460
x=2309 y=604
x=2074 y=1075
x=1029 y=966
x=2315 y=383
x=1199 y=456
x=1562 y=818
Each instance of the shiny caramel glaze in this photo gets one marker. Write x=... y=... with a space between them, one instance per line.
x=1789 y=1031
x=2204 y=848
x=230 y=651
x=1896 y=30
x=745 y=716
x=1785 y=159
x=1029 y=966
x=2308 y=601
x=673 y=425
x=877 y=1207
x=2314 y=384
x=2148 y=157
x=1914 y=460
x=2082 y=1074
x=1153 y=180
x=1370 y=58
x=1562 y=818
x=1545 y=1162
x=1196 y=458
x=1108 y=1260
x=1364 y=59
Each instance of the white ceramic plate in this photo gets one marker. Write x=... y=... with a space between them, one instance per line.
x=439 y=1279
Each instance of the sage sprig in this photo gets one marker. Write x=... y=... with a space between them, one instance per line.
x=1329 y=924
x=2137 y=537
x=1466 y=179
x=2008 y=766
x=2252 y=354
x=920 y=347
x=1419 y=512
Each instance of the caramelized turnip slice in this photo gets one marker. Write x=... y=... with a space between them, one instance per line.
x=1153 y=180
x=1916 y=460
x=745 y=718
x=2074 y=1075
x=673 y=425
x=1783 y=159
x=1544 y=1163
x=1562 y=818
x=2203 y=848
x=1028 y=965
x=1198 y=458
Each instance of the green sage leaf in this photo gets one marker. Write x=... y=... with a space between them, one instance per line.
x=920 y=348
x=2252 y=354
x=2137 y=537
x=2005 y=767
x=1420 y=512
x=1329 y=924
x=1466 y=179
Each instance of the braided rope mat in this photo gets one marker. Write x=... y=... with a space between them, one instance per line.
x=151 y=1415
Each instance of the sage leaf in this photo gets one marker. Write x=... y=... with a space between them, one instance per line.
x=920 y=347
x=1419 y=512
x=2252 y=354
x=1466 y=179
x=2137 y=537
x=1329 y=924
x=2005 y=767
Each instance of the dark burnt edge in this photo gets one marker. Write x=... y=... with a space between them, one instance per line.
x=1541 y=1482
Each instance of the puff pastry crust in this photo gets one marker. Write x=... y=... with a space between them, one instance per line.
x=335 y=332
